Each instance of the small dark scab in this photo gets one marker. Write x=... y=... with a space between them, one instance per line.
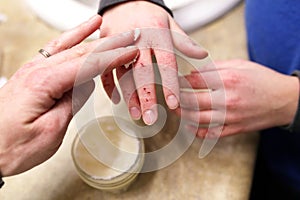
x=152 y=51
x=142 y=65
x=148 y=93
x=145 y=89
x=147 y=100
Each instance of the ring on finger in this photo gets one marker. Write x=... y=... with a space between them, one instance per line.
x=45 y=53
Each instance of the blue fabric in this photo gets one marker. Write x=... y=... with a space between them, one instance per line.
x=273 y=32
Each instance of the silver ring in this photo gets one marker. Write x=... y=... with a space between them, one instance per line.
x=45 y=53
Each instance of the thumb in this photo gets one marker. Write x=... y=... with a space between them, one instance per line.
x=184 y=43
x=71 y=102
x=81 y=94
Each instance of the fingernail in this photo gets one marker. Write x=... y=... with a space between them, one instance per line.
x=149 y=117
x=137 y=33
x=194 y=44
x=172 y=102
x=135 y=113
x=131 y=47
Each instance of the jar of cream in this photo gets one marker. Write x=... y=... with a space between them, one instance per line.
x=106 y=157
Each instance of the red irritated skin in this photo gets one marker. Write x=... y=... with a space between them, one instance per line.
x=256 y=98
x=159 y=36
x=37 y=104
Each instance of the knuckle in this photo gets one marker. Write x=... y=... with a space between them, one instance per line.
x=56 y=44
x=232 y=78
x=80 y=51
x=35 y=76
x=158 y=22
x=231 y=118
x=232 y=103
x=38 y=79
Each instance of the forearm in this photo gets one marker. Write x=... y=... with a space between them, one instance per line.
x=105 y=4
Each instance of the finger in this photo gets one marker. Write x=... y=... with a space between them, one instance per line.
x=97 y=46
x=110 y=87
x=167 y=66
x=202 y=117
x=192 y=81
x=72 y=37
x=128 y=89
x=69 y=104
x=196 y=100
x=218 y=131
x=212 y=132
x=202 y=80
x=145 y=83
x=81 y=94
x=113 y=42
x=63 y=77
x=160 y=41
x=185 y=44
x=202 y=100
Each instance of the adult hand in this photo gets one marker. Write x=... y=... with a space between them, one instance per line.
x=159 y=35
x=249 y=97
x=36 y=104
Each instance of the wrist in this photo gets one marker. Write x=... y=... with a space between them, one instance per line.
x=294 y=123
x=107 y=4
